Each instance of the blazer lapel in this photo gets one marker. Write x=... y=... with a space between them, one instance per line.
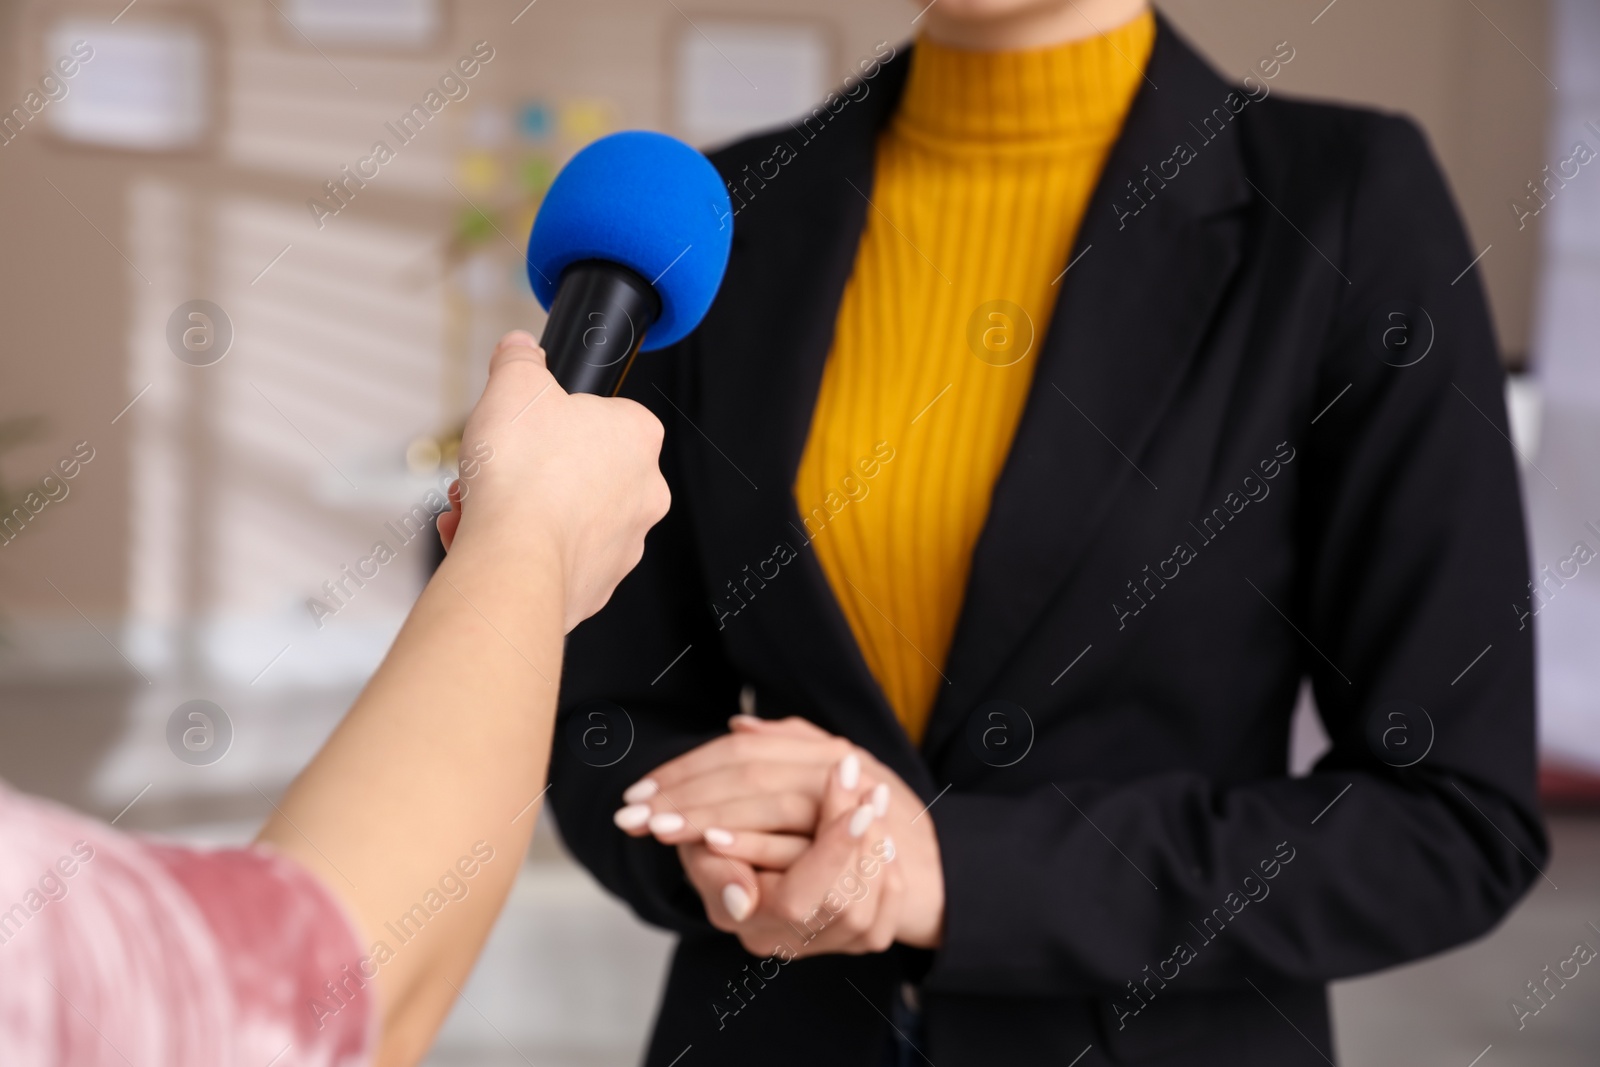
x=1128 y=321
x=763 y=349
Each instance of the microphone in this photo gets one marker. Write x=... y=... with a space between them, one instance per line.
x=626 y=254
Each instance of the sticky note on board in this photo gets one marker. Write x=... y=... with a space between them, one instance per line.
x=473 y=226
x=584 y=120
x=479 y=172
x=534 y=121
x=535 y=173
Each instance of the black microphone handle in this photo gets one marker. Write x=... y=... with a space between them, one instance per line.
x=597 y=321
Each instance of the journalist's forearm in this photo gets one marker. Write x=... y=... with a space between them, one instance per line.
x=422 y=796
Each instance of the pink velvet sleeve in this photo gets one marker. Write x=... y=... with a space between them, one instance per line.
x=118 y=950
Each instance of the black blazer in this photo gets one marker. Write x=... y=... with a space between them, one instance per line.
x=1223 y=482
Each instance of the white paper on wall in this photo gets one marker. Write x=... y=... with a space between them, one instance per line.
x=735 y=77
x=373 y=23
x=145 y=88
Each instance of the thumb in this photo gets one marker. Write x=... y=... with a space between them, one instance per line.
x=517 y=379
x=516 y=346
x=815 y=874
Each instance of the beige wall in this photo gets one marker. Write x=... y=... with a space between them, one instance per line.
x=68 y=297
x=1445 y=63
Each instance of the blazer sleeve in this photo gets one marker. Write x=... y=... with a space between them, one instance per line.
x=643 y=680
x=1409 y=556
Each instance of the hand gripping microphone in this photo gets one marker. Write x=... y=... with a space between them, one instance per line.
x=626 y=254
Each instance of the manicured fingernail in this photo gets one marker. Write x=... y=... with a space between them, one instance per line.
x=719 y=837
x=880 y=799
x=668 y=822
x=642 y=790
x=737 y=901
x=861 y=820
x=850 y=771
x=632 y=817
x=888 y=850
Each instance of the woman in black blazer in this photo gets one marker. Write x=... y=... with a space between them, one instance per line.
x=1265 y=441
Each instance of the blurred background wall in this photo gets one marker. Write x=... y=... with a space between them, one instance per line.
x=310 y=414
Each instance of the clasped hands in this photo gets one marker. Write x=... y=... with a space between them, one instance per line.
x=796 y=840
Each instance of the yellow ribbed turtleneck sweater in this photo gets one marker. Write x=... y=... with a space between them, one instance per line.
x=981 y=180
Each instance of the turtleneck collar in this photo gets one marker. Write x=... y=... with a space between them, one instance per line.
x=1067 y=94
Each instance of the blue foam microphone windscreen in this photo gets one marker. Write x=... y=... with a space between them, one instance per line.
x=646 y=202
